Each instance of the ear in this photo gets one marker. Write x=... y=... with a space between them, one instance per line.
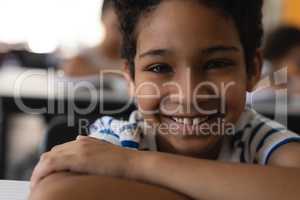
x=130 y=81
x=255 y=73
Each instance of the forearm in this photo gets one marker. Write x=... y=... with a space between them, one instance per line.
x=72 y=186
x=209 y=180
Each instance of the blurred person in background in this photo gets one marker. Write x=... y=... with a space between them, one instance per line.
x=103 y=56
x=3 y=52
x=20 y=55
x=282 y=49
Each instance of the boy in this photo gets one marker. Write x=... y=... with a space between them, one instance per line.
x=282 y=49
x=191 y=63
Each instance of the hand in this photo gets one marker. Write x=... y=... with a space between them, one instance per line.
x=84 y=155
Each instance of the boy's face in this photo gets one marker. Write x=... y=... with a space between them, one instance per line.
x=190 y=75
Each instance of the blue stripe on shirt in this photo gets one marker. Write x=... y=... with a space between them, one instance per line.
x=268 y=134
x=286 y=141
x=128 y=127
x=109 y=132
x=130 y=144
x=110 y=121
x=238 y=135
x=242 y=156
x=254 y=132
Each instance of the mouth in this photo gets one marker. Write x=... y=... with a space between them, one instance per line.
x=192 y=121
x=191 y=125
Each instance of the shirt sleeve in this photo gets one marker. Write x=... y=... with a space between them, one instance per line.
x=265 y=138
x=272 y=141
x=121 y=133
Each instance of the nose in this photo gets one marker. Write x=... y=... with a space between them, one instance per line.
x=193 y=92
x=193 y=85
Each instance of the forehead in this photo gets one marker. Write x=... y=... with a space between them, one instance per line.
x=188 y=24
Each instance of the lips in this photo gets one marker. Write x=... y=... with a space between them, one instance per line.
x=189 y=126
x=190 y=121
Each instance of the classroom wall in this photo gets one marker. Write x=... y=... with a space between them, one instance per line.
x=291 y=12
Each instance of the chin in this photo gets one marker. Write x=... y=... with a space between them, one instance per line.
x=194 y=146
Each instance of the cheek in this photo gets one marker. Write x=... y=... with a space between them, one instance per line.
x=234 y=101
x=233 y=89
x=148 y=97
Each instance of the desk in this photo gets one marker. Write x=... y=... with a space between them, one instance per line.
x=48 y=93
x=14 y=190
x=48 y=84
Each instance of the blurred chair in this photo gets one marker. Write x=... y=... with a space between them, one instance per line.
x=58 y=133
x=292 y=121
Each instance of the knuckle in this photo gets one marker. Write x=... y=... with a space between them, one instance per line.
x=55 y=148
x=84 y=150
x=83 y=141
x=83 y=144
x=44 y=156
x=47 y=158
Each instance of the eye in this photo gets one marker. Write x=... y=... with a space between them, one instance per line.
x=216 y=64
x=160 y=69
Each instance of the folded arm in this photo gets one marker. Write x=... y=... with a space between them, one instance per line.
x=196 y=178
x=61 y=186
x=212 y=180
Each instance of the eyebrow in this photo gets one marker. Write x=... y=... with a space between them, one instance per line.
x=155 y=52
x=218 y=49
x=206 y=52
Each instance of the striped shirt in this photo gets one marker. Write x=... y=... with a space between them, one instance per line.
x=254 y=141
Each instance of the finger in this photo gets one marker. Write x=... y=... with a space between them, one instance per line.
x=81 y=137
x=88 y=138
x=63 y=147
x=41 y=170
x=48 y=165
x=58 y=159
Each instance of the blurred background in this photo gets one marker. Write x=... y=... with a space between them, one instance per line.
x=51 y=25
x=72 y=41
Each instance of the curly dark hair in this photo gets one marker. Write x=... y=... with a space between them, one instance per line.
x=281 y=41
x=247 y=15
